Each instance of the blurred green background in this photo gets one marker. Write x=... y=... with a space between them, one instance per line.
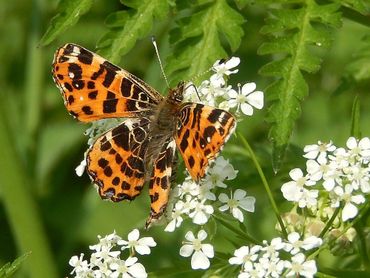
x=46 y=209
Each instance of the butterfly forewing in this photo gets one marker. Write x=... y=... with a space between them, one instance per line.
x=94 y=88
x=202 y=132
x=115 y=162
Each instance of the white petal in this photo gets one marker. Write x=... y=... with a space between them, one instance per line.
x=190 y=236
x=232 y=93
x=223 y=198
x=171 y=226
x=133 y=235
x=256 y=99
x=223 y=208
x=296 y=174
x=293 y=237
x=138 y=271
x=130 y=261
x=248 y=203
x=202 y=235
x=351 y=143
x=186 y=250
x=358 y=199
x=248 y=88
x=232 y=62
x=291 y=192
x=349 y=211
x=199 y=261
x=149 y=241
x=239 y=194
x=247 y=109
x=208 y=250
x=142 y=249
x=237 y=213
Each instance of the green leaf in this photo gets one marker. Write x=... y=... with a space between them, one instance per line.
x=70 y=12
x=197 y=38
x=126 y=27
x=360 y=6
x=9 y=269
x=294 y=31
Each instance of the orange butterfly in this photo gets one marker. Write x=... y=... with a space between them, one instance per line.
x=143 y=147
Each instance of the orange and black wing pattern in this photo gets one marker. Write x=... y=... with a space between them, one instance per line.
x=202 y=132
x=160 y=181
x=94 y=89
x=115 y=162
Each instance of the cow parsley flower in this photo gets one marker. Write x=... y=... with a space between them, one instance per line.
x=238 y=199
x=141 y=245
x=201 y=212
x=246 y=99
x=128 y=268
x=199 y=251
x=224 y=68
x=298 y=266
x=318 y=151
x=106 y=259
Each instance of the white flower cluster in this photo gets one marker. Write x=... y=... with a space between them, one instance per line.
x=197 y=200
x=216 y=92
x=336 y=177
x=277 y=258
x=106 y=261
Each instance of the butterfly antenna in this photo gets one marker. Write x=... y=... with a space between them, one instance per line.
x=159 y=60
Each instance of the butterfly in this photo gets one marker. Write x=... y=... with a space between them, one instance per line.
x=143 y=147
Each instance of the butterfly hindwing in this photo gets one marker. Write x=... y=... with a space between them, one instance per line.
x=161 y=178
x=202 y=131
x=115 y=162
x=94 y=88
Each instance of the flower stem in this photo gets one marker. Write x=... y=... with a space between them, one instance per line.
x=330 y=222
x=236 y=231
x=265 y=184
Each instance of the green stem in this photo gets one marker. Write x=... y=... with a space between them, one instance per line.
x=236 y=231
x=34 y=73
x=328 y=224
x=21 y=208
x=265 y=184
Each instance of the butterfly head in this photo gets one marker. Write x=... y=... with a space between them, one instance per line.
x=177 y=94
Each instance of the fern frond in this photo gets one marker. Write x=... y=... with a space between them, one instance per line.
x=196 y=41
x=295 y=30
x=126 y=27
x=70 y=12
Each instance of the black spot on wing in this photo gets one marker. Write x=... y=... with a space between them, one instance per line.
x=87 y=110
x=184 y=141
x=214 y=115
x=126 y=87
x=110 y=106
x=85 y=56
x=76 y=70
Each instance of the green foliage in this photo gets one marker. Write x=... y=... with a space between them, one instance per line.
x=70 y=12
x=197 y=41
x=126 y=27
x=358 y=70
x=9 y=269
x=295 y=31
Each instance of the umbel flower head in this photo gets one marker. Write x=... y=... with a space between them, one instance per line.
x=106 y=259
x=336 y=177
